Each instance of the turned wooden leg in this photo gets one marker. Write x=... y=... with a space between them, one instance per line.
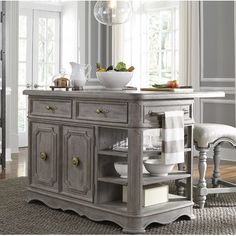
x=216 y=172
x=202 y=186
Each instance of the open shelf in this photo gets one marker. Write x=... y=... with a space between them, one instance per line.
x=108 y=152
x=175 y=202
x=147 y=179
x=113 y=153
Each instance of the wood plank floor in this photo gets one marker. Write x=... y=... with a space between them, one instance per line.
x=19 y=167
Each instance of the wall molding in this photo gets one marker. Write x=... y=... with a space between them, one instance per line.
x=213 y=101
x=225 y=89
x=226 y=80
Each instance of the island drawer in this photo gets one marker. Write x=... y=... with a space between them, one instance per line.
x=102 y=111
x=151 y=113
x=54 y=108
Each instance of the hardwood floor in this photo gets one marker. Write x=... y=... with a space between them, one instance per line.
x=19 y=167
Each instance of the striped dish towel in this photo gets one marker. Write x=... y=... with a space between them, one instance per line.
x=173 y=137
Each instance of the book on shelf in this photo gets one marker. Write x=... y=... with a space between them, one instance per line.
x=152 y=194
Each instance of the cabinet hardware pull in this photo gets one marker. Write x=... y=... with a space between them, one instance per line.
x=101 y=111
x=75 y=161
x=52 y=108
x=43 y=156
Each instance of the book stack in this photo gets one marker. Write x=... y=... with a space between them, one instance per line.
x=152 y=194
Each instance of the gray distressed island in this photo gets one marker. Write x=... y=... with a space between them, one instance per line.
x=71 y=154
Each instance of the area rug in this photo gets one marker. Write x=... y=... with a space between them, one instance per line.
x=19 y=217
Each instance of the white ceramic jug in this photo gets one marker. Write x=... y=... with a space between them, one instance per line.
x=78 y=75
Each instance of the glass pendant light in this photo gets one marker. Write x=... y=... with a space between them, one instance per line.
x=112 y=12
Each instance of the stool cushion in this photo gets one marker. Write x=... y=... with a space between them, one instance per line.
x=205 y=134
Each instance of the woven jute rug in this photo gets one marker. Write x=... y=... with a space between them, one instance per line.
x=19 y=217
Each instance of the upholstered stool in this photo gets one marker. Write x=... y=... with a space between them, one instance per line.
x=206 y=136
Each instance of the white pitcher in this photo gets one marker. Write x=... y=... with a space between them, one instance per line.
x=78 y=76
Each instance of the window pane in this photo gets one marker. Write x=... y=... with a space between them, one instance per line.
x=22 y=49
x=176 y=40
x=22 y=73
x=50 y=73
x=177 y=19
x=51 y=29
x=22 y=122
x=51 y=51
x=22 y=101
x=42 y=40
x=163 y=45
x=166 y=62
x=22 y=26
x=41 y=73
x=177 y=65
x=165 y=17
x=166 y=40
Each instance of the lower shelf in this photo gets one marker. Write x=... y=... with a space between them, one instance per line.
x=147 y=179
x=175 y=202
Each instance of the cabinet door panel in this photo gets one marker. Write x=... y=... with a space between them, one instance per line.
x=45 y=138
x=77 y=162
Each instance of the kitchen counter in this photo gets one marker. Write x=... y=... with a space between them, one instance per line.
x=72 y=140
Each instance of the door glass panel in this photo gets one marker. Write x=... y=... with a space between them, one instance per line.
x=165 y=20
x=22 y=73
x=47 y=35
x=50 y=73
x=41 y=73
x=166 y=40
x=22 y=26
x=163 y=44
x=22 y=121
x=22 y=49
x=22 y=102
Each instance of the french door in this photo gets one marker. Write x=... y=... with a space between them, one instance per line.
x=39 y=44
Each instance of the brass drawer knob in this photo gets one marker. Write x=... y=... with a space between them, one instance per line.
x=101 y=111
x=43 y=156
x=51 y=108
x=75 y=161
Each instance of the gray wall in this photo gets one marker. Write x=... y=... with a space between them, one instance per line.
x=100 y=44
x=218 y=60
x=218 y=37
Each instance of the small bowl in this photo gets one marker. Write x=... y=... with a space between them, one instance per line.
x=156 y=168
x=122 y=169
x=114 y=80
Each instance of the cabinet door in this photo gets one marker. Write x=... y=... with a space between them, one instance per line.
x=44 y=159
x=78 y=162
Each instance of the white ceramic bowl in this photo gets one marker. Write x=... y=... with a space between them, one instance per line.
x=156 y=168
x=114 y=80
x=122 y=169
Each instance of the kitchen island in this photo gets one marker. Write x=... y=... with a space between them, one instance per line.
x=72 y=140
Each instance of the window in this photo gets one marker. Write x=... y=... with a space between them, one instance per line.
x=149 y=42
x=163 y=48
x=46 y=44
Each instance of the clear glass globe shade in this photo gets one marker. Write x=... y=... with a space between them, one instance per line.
x=112 y=12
